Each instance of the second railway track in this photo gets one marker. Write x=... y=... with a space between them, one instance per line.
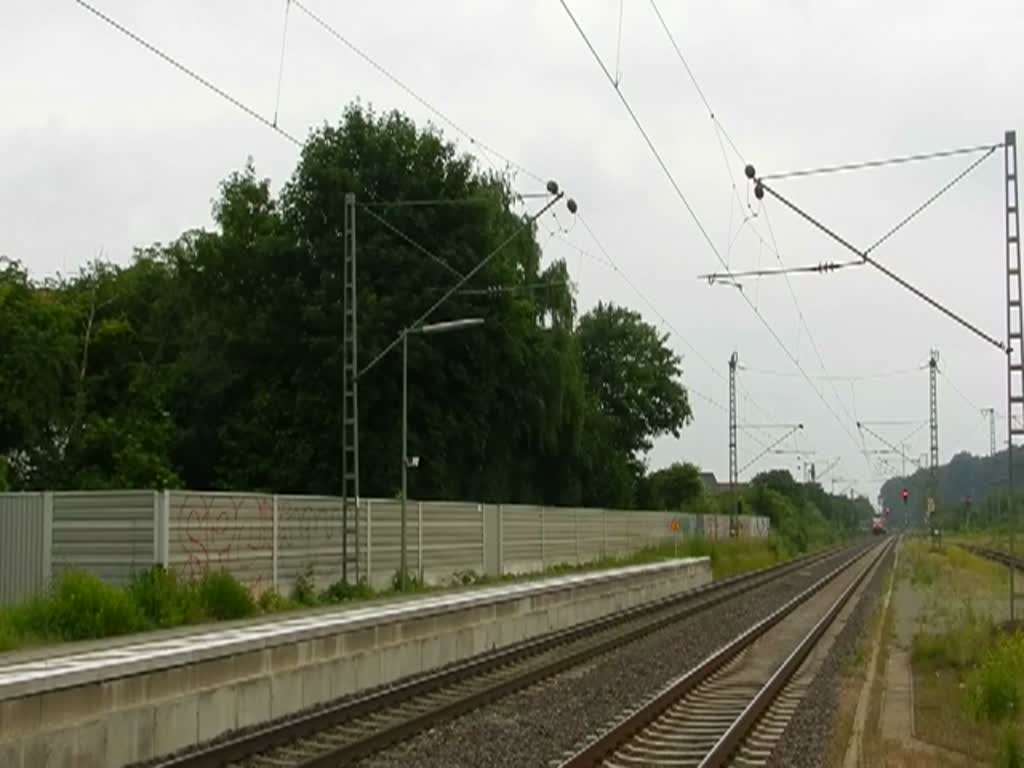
x=732 y=708
x=343 y=733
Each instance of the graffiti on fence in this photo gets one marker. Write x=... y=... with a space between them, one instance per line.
x=217 y=531
x=213 y=531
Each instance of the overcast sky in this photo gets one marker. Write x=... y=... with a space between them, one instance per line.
x=105 y=147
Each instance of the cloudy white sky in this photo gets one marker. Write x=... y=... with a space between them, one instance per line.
x=105 y=147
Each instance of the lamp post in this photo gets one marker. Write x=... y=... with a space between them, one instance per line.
x=443 y=327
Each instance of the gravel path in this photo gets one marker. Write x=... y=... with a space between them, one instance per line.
x=807 y=740
x=539 y=725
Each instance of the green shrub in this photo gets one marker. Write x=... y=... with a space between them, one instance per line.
x=994 y=688
x=413 y=583
x=304 y=589
x=959 y=649
x=1010 y=755
x=82 y=607
x=272 y=601
x=341 y=591
x=223 y=597
x=162 y=599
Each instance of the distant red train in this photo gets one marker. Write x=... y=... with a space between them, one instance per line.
x=878 y=525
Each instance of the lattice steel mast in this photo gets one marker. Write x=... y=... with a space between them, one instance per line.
x=350 y=396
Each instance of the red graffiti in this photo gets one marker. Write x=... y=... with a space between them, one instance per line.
x=237 y=533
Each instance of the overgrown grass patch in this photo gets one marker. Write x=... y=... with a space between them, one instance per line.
x=80 y=606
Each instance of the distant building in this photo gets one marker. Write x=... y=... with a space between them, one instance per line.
x=709 y=481
x=712 y=486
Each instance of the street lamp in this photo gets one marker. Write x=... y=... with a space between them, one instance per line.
x=428 y=328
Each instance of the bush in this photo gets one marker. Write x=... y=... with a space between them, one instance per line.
x=223 y=597
x=994 y=688
x=958 y=649
x=1010 y=753
x=413 y=583
x=82 y=607
x=162 y=600
x=341 y=591
x=467 y=577
x=304 y=590
x=272 y=601
x=24 y=624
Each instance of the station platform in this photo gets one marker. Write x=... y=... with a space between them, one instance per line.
x=112 y=704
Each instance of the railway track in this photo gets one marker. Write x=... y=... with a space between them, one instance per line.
x=732 y=708
x=342 y=733
x=997 y=555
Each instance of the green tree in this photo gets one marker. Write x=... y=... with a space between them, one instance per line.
x=673 y=487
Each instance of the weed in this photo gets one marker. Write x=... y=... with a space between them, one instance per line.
x=994 y=688
x=467 y=577
x=304 y=590
x=413 y=583
x=223 y=597
x=341 y=591
x=1011 y=755
x=161 y=598
x=272 y=601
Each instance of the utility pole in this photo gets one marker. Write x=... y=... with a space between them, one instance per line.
x=733 y=456
x=349 y=394
x=933 y=430
x=1014 y=335
x=991 y=413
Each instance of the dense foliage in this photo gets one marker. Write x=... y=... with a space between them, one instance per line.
x=214 y=361
x=970 y=490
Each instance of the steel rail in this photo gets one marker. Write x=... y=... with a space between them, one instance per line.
x=282 y=733
x=594 y=753
x=721 y=753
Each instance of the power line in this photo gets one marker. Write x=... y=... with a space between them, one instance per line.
x=272 y=124
x=280 y=67
x=666 y=323
x=883 y=269
x=415 y=244
x=721 y=132
x=693 y=214
x=878 y=163
x=839 y=377
x=945 y=188
x=824 y=267
x=693 y=79
x=191 y=73
x=333 y=31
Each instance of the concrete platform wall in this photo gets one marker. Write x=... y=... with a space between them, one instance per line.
x=114 y=721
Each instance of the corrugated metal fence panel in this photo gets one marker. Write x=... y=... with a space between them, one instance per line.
x=309 y=536
x=520 y=538
x=591 y=534
x=560 y=536
x=616 y=533
x=229 y=531
x=109 y=533
x=384 y=533
x=453 y=539
x=22 y=529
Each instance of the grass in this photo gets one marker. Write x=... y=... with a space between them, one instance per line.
x=968 y=672
x=80 y=606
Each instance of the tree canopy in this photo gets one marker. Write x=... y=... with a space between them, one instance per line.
x=214 y=361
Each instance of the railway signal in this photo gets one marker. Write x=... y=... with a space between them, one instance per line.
x=905 y=496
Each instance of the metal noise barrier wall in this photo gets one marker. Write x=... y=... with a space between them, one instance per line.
x=109 y=533
x=272 y=540
x=23 y=532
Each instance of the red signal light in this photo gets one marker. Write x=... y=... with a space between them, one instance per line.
x=905 y=495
